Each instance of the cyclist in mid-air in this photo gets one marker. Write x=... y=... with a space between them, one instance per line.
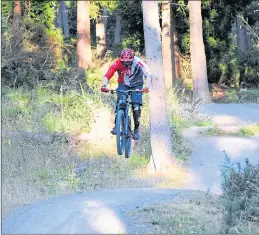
x=131 y=70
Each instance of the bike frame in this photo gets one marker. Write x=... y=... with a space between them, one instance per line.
x=124 y=104
x=123 y=127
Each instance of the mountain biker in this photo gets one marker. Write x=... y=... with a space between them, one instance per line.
x=131 y=70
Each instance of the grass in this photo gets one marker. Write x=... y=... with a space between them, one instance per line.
x=239 y=96
x=50 y=111
x=183 y=113
x=33 y=171
x=191 y=213
x=250 y=130
x=195 y=214
x=244 y=131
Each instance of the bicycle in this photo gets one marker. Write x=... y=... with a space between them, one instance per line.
x=123 y=128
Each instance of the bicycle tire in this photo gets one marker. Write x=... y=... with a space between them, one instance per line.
x=128 y=139
x=120 y=137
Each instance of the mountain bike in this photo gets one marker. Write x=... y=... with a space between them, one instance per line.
x=124 y=131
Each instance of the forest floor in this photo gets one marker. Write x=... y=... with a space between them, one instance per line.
x=125 y=210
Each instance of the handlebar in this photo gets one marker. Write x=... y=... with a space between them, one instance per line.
x=128 y=91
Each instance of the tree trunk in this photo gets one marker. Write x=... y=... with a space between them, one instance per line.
x=64 y=18
x=240 y=36
x=175 y=48
x=198 y=58
x=17 y=13
x=117 y=36
x=58 y=21
x=27 y=6
x=177 y=59
x=234 y=33
x=105 y=21
x=84 y=54
x=100 y=36
x=161 y=138
x=167 y=46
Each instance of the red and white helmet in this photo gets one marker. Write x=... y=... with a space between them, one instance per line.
x=127 y=54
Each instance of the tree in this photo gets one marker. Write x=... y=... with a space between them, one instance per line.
x=117 y=33
x=17 y=13
x=167 y=45
x=27 y=4
x=177 y=55
x=101 y=43
x=198 y=58
x=84 y=54
x=161 y=139
x=64 y=18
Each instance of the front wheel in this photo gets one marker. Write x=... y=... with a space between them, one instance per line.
x=128 y=139
x=120 y=137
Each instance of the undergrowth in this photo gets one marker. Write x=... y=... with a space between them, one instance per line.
x=240 y=186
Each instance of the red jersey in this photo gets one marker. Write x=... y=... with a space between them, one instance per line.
x=132 y=76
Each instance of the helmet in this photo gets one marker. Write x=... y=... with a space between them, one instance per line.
x=127 y=56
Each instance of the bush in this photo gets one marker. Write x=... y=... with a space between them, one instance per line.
x=240 y=186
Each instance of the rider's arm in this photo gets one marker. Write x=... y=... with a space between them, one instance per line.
x=146 y=73
x=110 y=72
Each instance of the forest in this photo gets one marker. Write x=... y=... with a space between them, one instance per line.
x=56 y=122
x=43 y=39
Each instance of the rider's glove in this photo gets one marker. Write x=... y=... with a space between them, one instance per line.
x=145 y=89
x=104 y=89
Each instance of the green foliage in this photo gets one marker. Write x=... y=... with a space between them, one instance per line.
x=240 y=186
x=249 y=64
x=6 y=14
x=43 y=12
x=40 y=54
x=54 y=111
x=94 y=77
x=185 y=42
x=97 y=6
x=182 y=147
x=224 y=63
x=231 y=95
x=184 y=112
x=132 y=24
x=134 y=41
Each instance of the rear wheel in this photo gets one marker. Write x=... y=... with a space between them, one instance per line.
x=120 y=137
x=128 y=139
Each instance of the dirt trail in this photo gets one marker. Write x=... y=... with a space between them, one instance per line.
x=104 y=211
x=207 y=155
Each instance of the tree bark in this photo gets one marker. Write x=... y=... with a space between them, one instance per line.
x=58 y=21
x=167 y=45
x=177 y=59
x=234 y=33
x=100 y=36
x=161 y=138
x=64 y=18
x=240 y=36
x=198 y=58
x=117 y=36
x=105 y=21
x=17 y=13
x=84 y=54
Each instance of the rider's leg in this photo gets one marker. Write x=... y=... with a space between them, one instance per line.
x=136 y=100
x=136 y=114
